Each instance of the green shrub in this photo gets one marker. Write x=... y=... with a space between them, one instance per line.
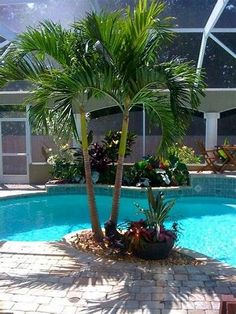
x=68 y=162
x=65 y=167
x=185 y=154
x=153 y=171
x=111 y=144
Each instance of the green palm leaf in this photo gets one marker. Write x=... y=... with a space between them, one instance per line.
x=49 y=39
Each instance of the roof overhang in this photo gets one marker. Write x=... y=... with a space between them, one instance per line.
x=216 y=100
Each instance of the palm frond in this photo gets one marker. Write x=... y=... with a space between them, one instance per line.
x=145 y=28
x=18 y=68
x=157 y=106
x=49 y=39
x=185 y=87
x=53 y=96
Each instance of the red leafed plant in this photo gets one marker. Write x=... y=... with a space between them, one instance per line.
x=151 y=230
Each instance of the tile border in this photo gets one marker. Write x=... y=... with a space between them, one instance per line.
x=200 y=185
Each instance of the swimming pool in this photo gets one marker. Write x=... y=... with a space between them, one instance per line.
x=208 y=223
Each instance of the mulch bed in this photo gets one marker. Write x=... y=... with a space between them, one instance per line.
x=85 y=242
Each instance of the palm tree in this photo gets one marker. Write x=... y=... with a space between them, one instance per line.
x=106 y=54
x=130 y=43
x=49 y=58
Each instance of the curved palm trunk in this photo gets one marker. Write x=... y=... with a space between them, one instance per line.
x=96 y=227
x=119 y=169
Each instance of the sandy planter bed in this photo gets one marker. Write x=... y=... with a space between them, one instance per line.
x=85 y=242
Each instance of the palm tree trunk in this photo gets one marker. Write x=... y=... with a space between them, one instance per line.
x=119 y=169
x=96 y=227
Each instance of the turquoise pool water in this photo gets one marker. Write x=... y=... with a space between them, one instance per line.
x=208 y=223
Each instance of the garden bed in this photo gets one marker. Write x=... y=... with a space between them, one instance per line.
x=85 y=242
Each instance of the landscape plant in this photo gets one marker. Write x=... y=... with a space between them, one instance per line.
x=111 y=56
x=65 y=166
x=68 y=163
x=154 y=171
x=111 y=144
x=151 y=231
x=61 y=136
x=130 y=43
x=186 y=154
x=49 y=57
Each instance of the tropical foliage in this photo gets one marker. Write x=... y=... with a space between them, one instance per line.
x=46 y=57
x=111 y=144
x=186 y=154
x=68 y=163
x=114 y=55
x=146 y=238
x=157 y=172
x=65 y=167
x=152 y=229
x=60 y=136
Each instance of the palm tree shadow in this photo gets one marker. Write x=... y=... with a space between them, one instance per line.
x=2 y=243
x=97 y=284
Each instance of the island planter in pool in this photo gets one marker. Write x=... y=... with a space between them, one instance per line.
x=149 y=239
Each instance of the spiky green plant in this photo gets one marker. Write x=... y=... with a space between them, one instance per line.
x=158 y=210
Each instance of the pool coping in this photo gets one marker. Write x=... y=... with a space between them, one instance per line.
x=223 y=185
x=193 y=189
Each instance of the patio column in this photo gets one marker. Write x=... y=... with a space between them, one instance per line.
x=211 y=129
x=77 y=122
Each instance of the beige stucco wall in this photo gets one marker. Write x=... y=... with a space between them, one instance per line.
x=39 y=173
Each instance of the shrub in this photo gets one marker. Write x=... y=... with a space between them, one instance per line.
x=151 y=170
x=68 y=163
x=65 y=166
x=185 y=154
x=111 y=144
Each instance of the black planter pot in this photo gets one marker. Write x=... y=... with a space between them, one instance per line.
x=154 y=251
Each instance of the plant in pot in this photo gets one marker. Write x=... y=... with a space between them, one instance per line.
x=149 y=239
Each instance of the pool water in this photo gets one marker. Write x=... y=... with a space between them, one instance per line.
x=208 y=223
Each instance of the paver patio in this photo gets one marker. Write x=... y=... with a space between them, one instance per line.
x=40 y=277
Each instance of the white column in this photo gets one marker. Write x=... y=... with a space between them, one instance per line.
x=211 y=129
x=78 y=127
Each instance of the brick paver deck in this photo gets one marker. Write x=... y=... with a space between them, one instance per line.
x=39 y=277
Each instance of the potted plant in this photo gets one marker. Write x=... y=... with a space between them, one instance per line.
x=149 y=239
